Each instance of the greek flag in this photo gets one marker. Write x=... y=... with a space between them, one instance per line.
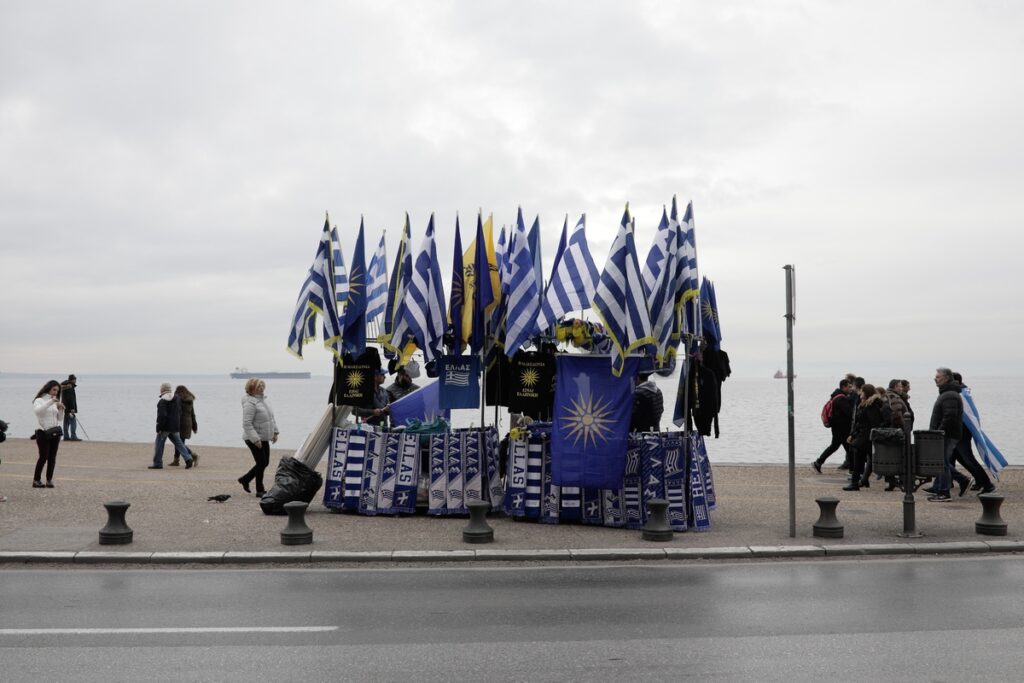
x=354 y=334
x=661 y=266
x=619 y=300
x=340 y=276
x=523 y=300
x=990 y=455
x=457 y=298
x=377 y=283
x=317 y=298
x=573 y=278
x=400 y=276
x=422 y=309
x=538 y=265
x=689 y=282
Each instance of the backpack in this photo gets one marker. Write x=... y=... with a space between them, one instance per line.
x=826 y=410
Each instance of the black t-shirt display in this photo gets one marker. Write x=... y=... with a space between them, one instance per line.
x=532 y=375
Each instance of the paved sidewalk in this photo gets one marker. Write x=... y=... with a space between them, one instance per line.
x=174 y=523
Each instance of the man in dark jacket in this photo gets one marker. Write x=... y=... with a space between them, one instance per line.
x=947 y=415
x=648 y=406
x=168 y=425
x=840 y=424
x=70 y=401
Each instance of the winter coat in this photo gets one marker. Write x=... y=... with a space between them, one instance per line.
x=648 y=405
x=168 y=413
x=899 y=408
x=948 y=411
x=257 y=419
x=68 y=398
x=842 y=415
x=49 y=416
x=188 y=415
x=868 y=417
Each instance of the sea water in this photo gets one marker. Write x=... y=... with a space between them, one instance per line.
x=753 y=420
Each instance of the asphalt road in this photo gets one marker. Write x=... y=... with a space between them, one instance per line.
x=918 y=619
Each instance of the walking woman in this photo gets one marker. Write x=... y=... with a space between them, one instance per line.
x=188 y=421
x=50 y=414
x=868 y=417
x=259 y=431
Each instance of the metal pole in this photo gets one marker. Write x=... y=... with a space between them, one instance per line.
x=909 y=513
x=790 y=318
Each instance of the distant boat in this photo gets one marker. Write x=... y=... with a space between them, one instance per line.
x=243 y=373
x=779 y=374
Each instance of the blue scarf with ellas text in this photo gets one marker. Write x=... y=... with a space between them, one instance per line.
x=591 y=422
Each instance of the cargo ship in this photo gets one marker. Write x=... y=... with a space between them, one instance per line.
x=243 y=373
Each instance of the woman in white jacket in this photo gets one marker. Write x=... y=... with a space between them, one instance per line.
x=259 y=430
x=50 y=414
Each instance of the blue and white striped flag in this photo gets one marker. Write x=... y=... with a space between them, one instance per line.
x=423 y=307
x=619 y=300
x=687 y=314
x=400 y=276
x=340 y=277
x=662 y=292
x=377 y=283
x=990 y=455
x=523 y=300
x=573 y=278
x=538 y=265
x=317 y=298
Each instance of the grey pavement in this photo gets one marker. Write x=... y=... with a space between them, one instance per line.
x=173 y=523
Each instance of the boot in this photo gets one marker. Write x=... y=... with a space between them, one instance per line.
x=176 y=462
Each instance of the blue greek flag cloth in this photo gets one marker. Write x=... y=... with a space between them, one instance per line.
x=698 y=502
x=334 y=482
x=494 y=483
x=632 y=489
x=473 y=448
x=619 y=301
x=438 y=490
x=458 y=379
x=676 y=480
x=453 y=456
x=523 y=293
x=355 y=460
x=591 y=421
x=573 y=278
x=611 y=507
x=515 y=490
x=422 y=314
x=990 y=455
x=377 y=282
x=661 y=294
x=534 y=478
x=354 y=326
x=317 y=298
x=571 y=498
x=422 y=404
x=549 y=495
x=372 y=462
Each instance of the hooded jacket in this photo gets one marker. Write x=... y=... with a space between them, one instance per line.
x=168 y=413
x=869 y=416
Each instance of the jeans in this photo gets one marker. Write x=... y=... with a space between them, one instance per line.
x=70 y=427
x=158 y=447
x=944 y=480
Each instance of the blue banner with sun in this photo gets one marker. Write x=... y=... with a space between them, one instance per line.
x=591 y=422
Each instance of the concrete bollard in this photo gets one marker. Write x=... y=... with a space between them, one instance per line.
x=296 y=532
x=990 y=524
x=478 y=530
x=116 y=532
x=828 y=525
x=657 y=527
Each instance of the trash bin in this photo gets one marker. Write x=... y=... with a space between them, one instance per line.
x=929 y=453
x=887 y=458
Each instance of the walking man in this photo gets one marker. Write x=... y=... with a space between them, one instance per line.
x=840 y=424
x=168 y=424
x=947 y=415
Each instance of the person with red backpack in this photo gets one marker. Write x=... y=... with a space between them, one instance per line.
x=837 y=415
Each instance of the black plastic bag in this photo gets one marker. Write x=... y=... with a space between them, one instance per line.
x=293 y=481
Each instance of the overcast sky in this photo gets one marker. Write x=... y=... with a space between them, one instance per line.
x=165 y=166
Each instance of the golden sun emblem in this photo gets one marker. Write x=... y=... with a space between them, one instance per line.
x=588 y=420
x=354 y=380
x=709 y=312
x=355 y=280
x=529 y=378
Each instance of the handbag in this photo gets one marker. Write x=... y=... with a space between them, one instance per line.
x=53 y=433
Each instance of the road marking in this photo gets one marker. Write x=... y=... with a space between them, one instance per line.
x=209 y=629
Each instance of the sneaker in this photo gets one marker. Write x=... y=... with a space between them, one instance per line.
x=38 y=485
x=940 y=498
x=817 y=466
